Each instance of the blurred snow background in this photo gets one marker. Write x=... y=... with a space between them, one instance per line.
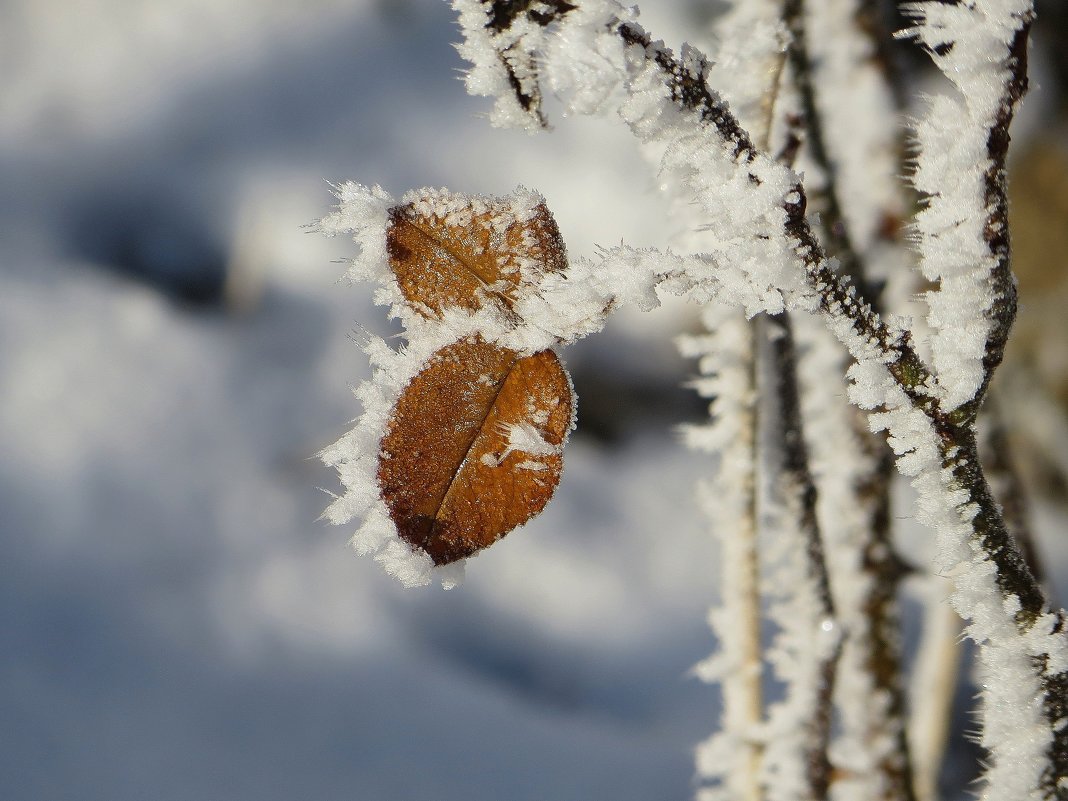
x=174 y=349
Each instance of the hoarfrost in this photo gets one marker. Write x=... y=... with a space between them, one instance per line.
x=598 y=60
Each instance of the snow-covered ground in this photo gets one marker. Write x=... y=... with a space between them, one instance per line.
x=174 y=349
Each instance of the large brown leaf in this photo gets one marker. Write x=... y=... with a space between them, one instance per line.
x=460 y=258
x=473 y=447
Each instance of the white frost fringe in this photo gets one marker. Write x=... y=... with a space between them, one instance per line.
x=731 y=757
x=969 y=42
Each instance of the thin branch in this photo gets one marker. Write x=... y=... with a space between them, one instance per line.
x=996 y=199
x=968 y=253
x=689 y=92
x=734 y=755
x=730 y=357
x=832 y=219
x=800 y=488
x=513 y=73
x=878 y=635
x=749 y=681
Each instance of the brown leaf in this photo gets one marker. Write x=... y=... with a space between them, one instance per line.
x=466 y=256
x=473 y=447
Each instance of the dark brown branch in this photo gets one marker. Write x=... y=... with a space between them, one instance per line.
x=880 y=641
x=882 y=650
x=795 y=464
x=957 y=429
x=1013 y=499
x=502 y=13
x=1002 y=312
x=839 y=299
x=833 y=219
x=798 y=483
x=876 y=20
x=1014 y=578
x=995 y=196
x=690 y=90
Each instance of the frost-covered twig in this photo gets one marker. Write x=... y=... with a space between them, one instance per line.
x=667 y=99
x=726 y=361
x=602 y=60
x=733 y=757
x=798 y=763
x=852 y=317
x=964 y=229
x=800 y=726
x=836 y=76
x=849 y=466
x=885 y=729
x=834 y=222
x=500 y=42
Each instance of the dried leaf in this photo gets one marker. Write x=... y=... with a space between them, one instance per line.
x=448 y=256
x=473 y=447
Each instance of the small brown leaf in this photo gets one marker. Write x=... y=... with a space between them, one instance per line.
x=473 y=447
x=444 y=256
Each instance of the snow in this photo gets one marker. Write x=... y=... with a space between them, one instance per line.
x=525 y=438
